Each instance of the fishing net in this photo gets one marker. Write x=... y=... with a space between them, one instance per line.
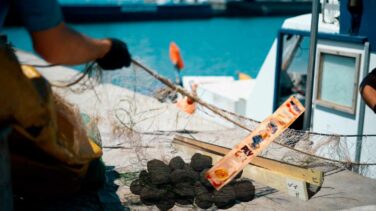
x=130 y=123
x=138 y=123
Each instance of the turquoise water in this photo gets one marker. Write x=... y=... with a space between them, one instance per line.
x=218 y=46
x=101 y=2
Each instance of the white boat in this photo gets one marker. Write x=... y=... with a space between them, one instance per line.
x=341 y=62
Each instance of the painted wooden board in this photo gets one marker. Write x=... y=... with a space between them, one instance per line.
x=314 y=177
x=291 y=186
x=268 y=130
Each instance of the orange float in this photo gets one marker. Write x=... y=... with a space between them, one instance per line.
x=175 y=56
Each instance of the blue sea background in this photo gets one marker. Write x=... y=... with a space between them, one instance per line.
x=217 y=46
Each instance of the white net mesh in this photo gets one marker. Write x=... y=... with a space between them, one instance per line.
x=138 y=122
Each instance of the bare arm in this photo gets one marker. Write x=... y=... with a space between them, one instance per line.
x=368 y=89
x=369 y=96
x=63 y=45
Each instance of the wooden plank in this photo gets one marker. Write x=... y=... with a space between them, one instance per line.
x=257 y=141
x=311 y=176
x=291 y=186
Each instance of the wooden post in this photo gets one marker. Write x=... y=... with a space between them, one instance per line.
x=6 y=198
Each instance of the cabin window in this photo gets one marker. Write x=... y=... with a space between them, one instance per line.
x=338 y=80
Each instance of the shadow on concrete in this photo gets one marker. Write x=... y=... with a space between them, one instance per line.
x=88 y=198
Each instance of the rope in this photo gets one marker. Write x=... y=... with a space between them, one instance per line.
x=42 y=65
x=217 y=110
x=302 y=131
x=182 y=91
x=88 y=69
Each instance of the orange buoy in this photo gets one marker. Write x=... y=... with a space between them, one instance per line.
x=187 y=105
x=175 y=56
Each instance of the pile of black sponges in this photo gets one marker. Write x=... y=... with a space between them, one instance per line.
x=164 y=185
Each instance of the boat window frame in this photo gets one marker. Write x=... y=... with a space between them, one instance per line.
x=320 y=61
x=351 y=39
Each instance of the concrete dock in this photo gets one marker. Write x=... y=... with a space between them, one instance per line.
x=135 y=128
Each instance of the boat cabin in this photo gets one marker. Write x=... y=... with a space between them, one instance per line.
x=345 y=54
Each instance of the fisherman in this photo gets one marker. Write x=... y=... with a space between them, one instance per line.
x=50 y=154
x=368 y=89
x=57 y=43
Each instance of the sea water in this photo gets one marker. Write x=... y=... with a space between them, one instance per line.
x=218 y=46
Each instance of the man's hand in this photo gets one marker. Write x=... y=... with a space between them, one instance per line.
x=117 y=57
x=65 y=46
